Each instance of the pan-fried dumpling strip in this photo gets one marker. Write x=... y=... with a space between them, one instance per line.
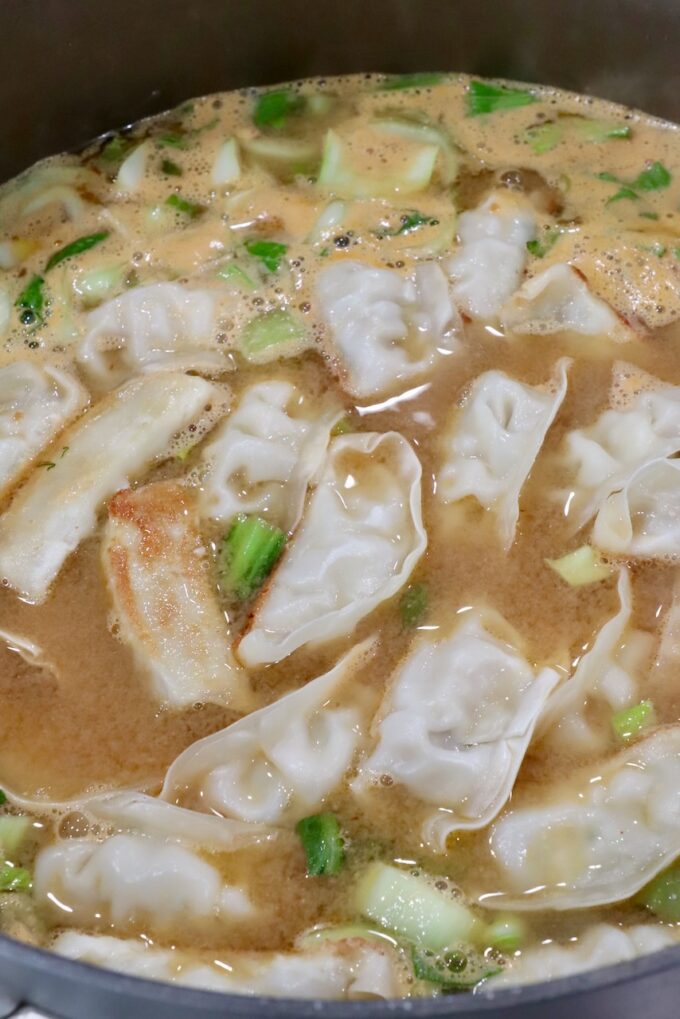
x=277 y=764
x=129 y=879
x=643 y=519
x=494 y=441
x=264 y=455
x=113 y=441
x=162 y=325
x=488 y=267
x=355 y=968
x=559 y=300
x=36 y=402
x=156 y=567
x=601 y=945
x=456 y=723
x=387 y=328
x=360 y=538
x=598 y=837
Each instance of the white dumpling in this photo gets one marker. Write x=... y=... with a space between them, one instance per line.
x=643 y=518
x=601 y=945
x=559 y=300
x=263 y=456
x=360 y=538
x=157 y=568
x=455 y=725
x=277 y=764
x=495 y=439
x=162 y=325
x=111 y=443
x=598 y=837
x=489 y=264
x=36 y=402
x=130 y=879
x=386 y=328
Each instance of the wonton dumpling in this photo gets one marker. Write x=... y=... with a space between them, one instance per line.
x=559 y=300
x=36 y=402
x=277 y=764
x=488 y=266
x=116 y=439
x=595 y=838
x=264 y=455
x=643 y=519
x=156 y=567
x=455 y=725
x=129 y=879
x=162 y=325
x=387 y=328
x=359 y=541
x=495 y=439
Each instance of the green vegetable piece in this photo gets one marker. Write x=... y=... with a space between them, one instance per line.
x=580 y=567
x=272 y=109
x=544 y=137
x=76 y=247
x=419 y=79
x=485 y=98
x=171 y=169
x=31 y=302
x=322 y=842
x=173 y=140
x=233 y=273
x=183 y=453
x=270 y=253
x=453 y=970
x=507 y=933
x=192 y=209
x=3 y=797
x=662 y=895
x=540 y=246
x=13 y=831
x=248 y=554
x=631 y=721
x=272 y=329
x=676 y=253
x=409 y=221
x=649 y=215
x=116 y=149
x=655 y=178
x=14 y=879
x=413 y=606
x=598 y=131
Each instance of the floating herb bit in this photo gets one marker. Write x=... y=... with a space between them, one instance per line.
x=631 y=721
x=14 y=879
x=655 y=178
x=322 y=842
x=485 y=98
x=76 y=247
x=662 y=895
x=413 y=606
x=541 y=245
x=409 y=221
x=580 y=567
x=173 y=141
x=272 y=329
x=171 y=169
x=116 y=149
x=506 y=933
x=191 y=209
x=273 y=109
x=31 y=302
x=544 y=137
x=3 y=797
x=270 y=253
x=419 y=79
x=248 y=555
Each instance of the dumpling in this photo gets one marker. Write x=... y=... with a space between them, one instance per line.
x=277 y=764
x=115 y=440
x=339 y=969
x=264 y=455
x=597 y=837
x=643 y=518
x=455 y=725
x=495 y=439
x=162 y=325
x=157 y=570
x=601 y=945
x=489 y=264
x=559 y=300
x=130 y=879
x=386 y=328
x=36 y=402
x=360 y=538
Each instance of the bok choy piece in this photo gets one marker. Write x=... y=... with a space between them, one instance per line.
x=662 y=895
x=485 y=98
x=453 y=970
x=338 y=176
x=322 y=842
x=583 y=566
x=248 y=554
x=14 y=879
x=272 y=329
x=274 y=109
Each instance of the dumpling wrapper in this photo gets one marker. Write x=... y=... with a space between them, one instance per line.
x=157 y=571
x=263 y=456
x=643 y=518
x=36 y=402
x=387 y=329
x=277 y=764
x=455 y=725
x=358 y=543
x=112 y=442
x=494 y=441
x=596 y=838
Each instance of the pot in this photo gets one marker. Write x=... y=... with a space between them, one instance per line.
x=74 y=68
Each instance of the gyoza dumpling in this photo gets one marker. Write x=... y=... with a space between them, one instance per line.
x=157 y=570
x=386 y=328
x=489 y=264
x=455 y=725
x=261 y=459
x=162 y=325
x=36 y=402
x=277 y=764
x=360 y=538
x=643 y=518
x=114 y=441
x=597 y=837
x=494 y=441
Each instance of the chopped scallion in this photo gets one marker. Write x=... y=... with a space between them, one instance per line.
x=76 y=247
x=171 y=169
x=3 y=797
x=540 y=246
x=413 y=606
x=631 y=721
x=248 y=554
x=322 y=842
x=116 y=149
x=419 y=79
x=31 y=302
x=485 y=98
x=173 y=140
x=234 y=274
x=270 y=253
x=272 y=109
x=544 y=137
x=192 y=209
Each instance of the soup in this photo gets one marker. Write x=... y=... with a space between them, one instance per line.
x=338 y=540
